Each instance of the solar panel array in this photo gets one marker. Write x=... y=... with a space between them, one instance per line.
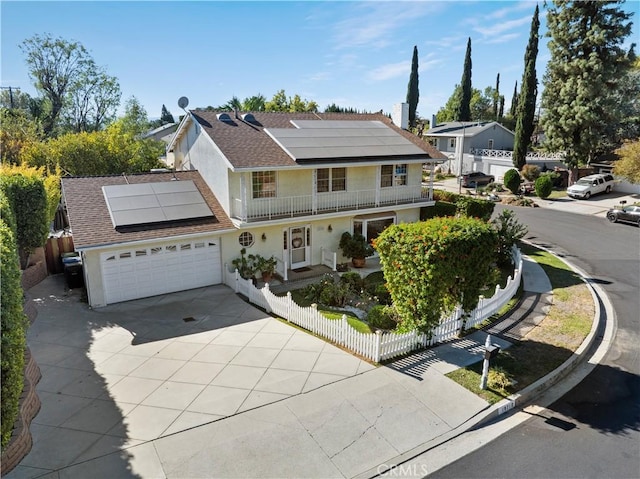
x=315 y=139
x=147 y=203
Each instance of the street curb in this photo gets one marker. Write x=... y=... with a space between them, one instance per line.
x=517 y=400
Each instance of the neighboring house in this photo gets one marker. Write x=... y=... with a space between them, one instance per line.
x=143 y=235
x=457 y=140
x=292 y=183
x=164 y=133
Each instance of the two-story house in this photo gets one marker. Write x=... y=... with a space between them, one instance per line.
x=292 y=183
x=278 y=184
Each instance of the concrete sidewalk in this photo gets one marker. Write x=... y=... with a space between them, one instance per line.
x=350 y=427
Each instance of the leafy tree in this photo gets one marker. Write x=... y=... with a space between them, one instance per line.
x=481 y=105
x=509 y=231
x=14 y=99
x=432 y=266
x=496 y=99
x=53 y=64
x=333 y=108
x=413 y=93
x=92 y=100
x=543 y=186
x=512 y=180
x=17 y=131
x=628 y=166
x=135 y=119
x=254 y=103
x=166 y=116
x=527 y=99
x=514 y=101
x=463 y=111
x=583 y=75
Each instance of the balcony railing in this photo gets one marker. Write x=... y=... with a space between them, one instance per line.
x=307 y=205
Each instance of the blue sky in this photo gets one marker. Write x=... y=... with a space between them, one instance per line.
x=354 y=54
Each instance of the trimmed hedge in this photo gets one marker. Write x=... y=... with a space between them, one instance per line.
x=475 y=208
x=13 y=335
x=512 y=180
x=441 y=208
x=543 y=186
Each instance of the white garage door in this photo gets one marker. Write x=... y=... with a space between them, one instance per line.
x=147 y=271
x=498 y=172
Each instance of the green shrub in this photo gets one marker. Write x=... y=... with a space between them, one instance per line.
x=530 y=172
x=382 y=317
x=512 y=180
x=510 y=231
x=475 y=208
x=28 y=200
x=544 y=186
x=353 y=281
x=14 y=326
x=6 y=213
x=443 y=195
x=327 y=291
x=495 y=187
x=441 y=208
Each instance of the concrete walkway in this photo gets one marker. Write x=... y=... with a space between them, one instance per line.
x=345 y=419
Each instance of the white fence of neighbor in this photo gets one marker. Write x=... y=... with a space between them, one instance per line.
x=377 y=346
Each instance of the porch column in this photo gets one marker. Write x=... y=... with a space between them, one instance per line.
x=378 y=180
x=243 y=196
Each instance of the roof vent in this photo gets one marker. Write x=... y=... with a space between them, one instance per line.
x=224 y=117
x=248 y=117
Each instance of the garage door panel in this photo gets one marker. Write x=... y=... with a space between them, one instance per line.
x=143 y=272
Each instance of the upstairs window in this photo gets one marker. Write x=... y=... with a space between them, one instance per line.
x=263 y=184
x=393 y=175
x=331 y=179
x=452 y=143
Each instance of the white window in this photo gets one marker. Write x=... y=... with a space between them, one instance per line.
x=393 y=175
x=452 y=143
x=491 y=143
x=331 y=179
x=263 y=184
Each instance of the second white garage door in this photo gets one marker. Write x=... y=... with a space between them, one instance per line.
x=148 y=271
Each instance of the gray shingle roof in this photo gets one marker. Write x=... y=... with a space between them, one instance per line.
x=91 y=223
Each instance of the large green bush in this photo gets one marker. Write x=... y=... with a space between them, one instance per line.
x=432 y=266
x=512 y=180
x=441 y=208
x=475 y=207
x=510 y=231
x=28 y=199
x=444 y=195
x=13 y=331
x=530 y=172
x=382 y=317
x=544 y=186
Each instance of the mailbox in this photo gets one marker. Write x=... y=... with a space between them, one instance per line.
x=491 y=352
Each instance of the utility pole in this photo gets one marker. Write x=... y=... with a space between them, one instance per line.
x=10 y=88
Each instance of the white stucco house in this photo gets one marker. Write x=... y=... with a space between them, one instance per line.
x=278 y=184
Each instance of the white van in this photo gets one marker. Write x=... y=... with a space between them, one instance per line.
x=591 y=185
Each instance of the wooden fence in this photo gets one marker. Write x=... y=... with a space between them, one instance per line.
x=377 y=346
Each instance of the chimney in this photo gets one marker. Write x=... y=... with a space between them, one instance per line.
x=433 y=121
x=400 y=115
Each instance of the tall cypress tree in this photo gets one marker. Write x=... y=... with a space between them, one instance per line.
x=413 y=93
x=496 y=98
x=166 y=116
x=514 y=101
x=527 y=101
x=463 y=112
x=584 y=76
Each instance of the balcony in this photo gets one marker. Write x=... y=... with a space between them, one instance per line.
x=264 y=209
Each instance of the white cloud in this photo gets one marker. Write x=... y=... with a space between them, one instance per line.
x=373 y=24
x=503 y=12
x=319 y=76
x=391 y=70
x=502 y=38
x=497 y=28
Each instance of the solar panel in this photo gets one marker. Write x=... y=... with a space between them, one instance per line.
x=316 y=139
x=148 y=203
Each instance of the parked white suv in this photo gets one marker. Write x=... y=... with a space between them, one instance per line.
x=591 y=185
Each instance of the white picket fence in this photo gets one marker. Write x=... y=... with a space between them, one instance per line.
x=377 y=346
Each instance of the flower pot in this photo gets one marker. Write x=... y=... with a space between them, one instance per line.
x=267 y=277
x=358 y=262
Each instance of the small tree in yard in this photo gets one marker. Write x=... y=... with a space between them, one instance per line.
x=510 y=231
x=432 y=266
x=544 y=186
x=512 y=181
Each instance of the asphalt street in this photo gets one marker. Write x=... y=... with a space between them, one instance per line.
x=594 y=429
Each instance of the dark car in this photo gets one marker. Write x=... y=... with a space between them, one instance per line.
x=476 y=178
x=628 y=214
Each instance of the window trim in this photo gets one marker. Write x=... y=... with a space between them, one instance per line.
x=257 y=188
x=331 y=180
x=396 y=178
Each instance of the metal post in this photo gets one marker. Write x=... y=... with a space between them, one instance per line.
x=485 y=364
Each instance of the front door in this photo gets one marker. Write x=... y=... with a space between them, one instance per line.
x=299 y=246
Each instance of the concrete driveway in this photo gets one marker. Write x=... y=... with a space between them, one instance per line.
x=129 y=373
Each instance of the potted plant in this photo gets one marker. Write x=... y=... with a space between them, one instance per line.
x=267 y=266
x=245 y=264
x=355 y=247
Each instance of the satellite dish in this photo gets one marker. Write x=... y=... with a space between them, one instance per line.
x=183 y=102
